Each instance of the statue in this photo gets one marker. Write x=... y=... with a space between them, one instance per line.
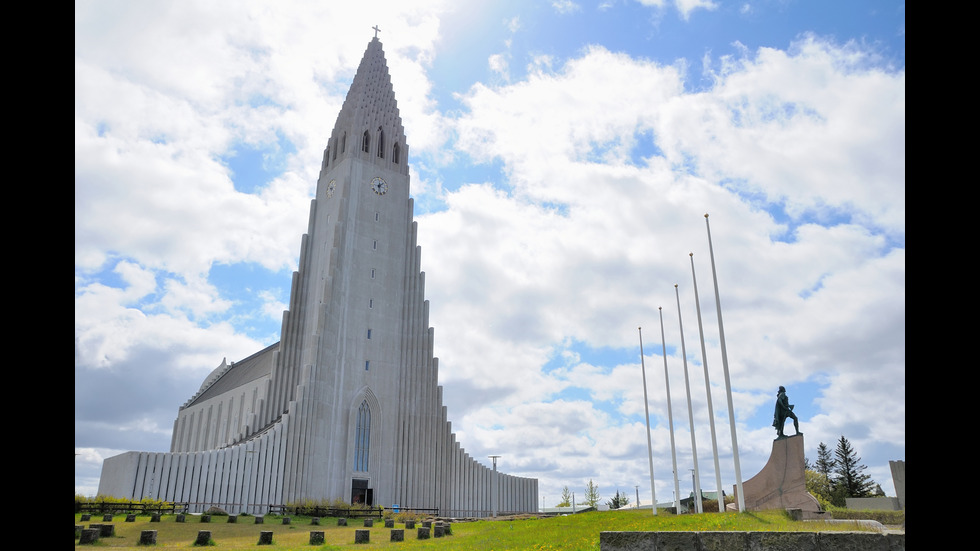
x=783 y=410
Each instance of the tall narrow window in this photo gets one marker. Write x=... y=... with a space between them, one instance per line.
x=395 y=153
x=326 y=158
x=381 y=143
x=343 y=145
x=362 y=438
x=369 y=333
x=366 y=142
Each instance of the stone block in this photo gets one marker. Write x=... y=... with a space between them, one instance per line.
x=105 y=530
x=410 y=525
x=148 y=537
x=724 y=541
x=341 y=522
x=78 y=531
x=389 y=523
x=86 y=517
x=155 y=517
x=426 y=524
x=181 y=517
x=362 y=536
x=130 y=518
x=316 y=537
x=265 y=537
x=315 y=521
x=783 y=541
x=286 y=520
x=203 y=537
x=232 y=519
x=88 y=536
x=107 y=517
x=438 y=530
x=677 y=541
x=368 y=522
x=851 y=541
x=397 y=534
x=896 y=542
x=447 y=528
x=423 y=533
x=259 y=520
x=205 y=518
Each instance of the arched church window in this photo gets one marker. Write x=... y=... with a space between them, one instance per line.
x=362 y=438
x=366 y=142
x=395 y=153
x=381 y=143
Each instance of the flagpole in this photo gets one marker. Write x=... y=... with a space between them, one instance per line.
x=646 y=409
x=707 y=388
x=698 y=506
x=670 y=418
x=728 y=380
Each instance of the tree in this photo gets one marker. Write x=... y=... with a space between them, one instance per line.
x=818 y=485
x=566 y=498
x=621 y=500
x=592 y=494
x=849 y=479
x=825 y=462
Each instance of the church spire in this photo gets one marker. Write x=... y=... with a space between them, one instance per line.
x=368 y=124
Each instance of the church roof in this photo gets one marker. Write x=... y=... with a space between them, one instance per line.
x=237 y=374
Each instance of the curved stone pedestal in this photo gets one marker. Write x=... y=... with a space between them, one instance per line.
x=781 y=484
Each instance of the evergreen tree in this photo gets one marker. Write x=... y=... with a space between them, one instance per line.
x=849 y=479
x=621 y=500
x=566 y=498
x=825 y=461
x=592 y=494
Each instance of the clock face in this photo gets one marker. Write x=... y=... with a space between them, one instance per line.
x=379 y=186
x=331 y=187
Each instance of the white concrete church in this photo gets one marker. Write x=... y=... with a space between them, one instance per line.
x=347 y=404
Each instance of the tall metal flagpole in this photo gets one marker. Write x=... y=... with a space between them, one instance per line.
x=698 y=506
x=670 y=418
x=707 y=388
x=728 y=379
x=646 y=409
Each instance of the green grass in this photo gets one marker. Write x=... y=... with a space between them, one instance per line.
x=577 y=532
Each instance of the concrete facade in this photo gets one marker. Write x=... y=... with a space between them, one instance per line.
x=347 y=405
x=898 y=478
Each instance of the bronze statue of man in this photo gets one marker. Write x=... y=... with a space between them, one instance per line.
x=783 y=410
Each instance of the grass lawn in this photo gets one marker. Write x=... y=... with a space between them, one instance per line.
x=576 y=532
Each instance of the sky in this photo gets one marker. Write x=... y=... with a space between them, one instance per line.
x=563 y=155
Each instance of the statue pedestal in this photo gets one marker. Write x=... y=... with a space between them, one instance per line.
x=781 y=484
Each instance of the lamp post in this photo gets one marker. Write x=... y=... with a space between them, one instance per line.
x=493 y=486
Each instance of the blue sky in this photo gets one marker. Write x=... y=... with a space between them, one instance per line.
x=562 y=155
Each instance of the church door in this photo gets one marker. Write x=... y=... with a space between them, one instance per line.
x=360 y=494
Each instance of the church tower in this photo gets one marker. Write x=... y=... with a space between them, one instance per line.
x=347 y=405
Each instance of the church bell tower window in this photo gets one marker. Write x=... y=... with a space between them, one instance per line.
x=381 y=143
x=366 y=142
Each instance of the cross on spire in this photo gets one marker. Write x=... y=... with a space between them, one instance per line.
x=376 y=31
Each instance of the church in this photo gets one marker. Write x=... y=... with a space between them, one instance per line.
x=347 y=404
